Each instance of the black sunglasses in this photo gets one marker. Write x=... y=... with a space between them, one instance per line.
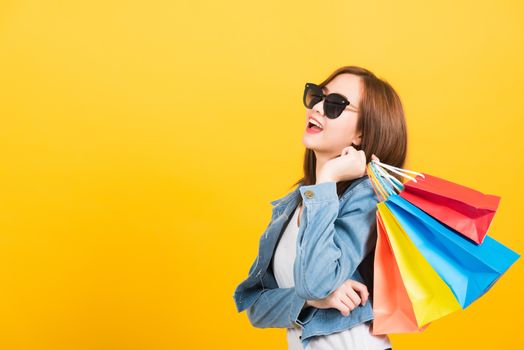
x=334 y=104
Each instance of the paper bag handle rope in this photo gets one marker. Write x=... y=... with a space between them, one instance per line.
x=400 y=171
x=381 y=188
x=397 y=184
x=384 y=183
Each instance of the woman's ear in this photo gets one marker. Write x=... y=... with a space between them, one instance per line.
x=357 y=140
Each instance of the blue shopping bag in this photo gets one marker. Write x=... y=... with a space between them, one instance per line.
x=469 y=269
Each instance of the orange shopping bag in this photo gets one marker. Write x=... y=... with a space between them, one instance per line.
x=391 y=305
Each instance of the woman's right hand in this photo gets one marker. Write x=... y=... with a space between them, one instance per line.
x=344 y=298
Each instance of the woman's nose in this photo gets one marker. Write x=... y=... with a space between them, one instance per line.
x=319 y=107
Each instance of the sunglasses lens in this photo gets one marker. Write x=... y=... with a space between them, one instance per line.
x=312 y=95
x=334 y=106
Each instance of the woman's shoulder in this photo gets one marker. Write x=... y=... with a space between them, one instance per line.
x=362 y=184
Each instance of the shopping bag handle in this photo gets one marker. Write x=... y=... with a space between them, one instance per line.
x=382 y=182
x=396 y=185
x=379 y=189
x=400 y=171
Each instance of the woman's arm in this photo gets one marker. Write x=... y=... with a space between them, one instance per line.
x=279 y=308
x=330 y=248
x=272 y=307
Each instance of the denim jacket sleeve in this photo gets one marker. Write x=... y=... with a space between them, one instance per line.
x=335 y=239
x=272 y=307
x=279 y=308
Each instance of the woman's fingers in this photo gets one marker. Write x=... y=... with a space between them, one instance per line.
x=347 y=150
x=362 y=155
x=351 y=294
x=361 y=289
x=341 y=306
x=348 y=301
x=347 y=298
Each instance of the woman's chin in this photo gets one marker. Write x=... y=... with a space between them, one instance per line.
x=309 y=143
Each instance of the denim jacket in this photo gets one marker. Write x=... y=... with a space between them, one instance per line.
x=334 y=238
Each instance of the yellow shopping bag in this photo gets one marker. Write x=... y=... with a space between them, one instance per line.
x=430 y=295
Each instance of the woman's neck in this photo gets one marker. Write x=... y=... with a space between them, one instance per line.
x=321 y=159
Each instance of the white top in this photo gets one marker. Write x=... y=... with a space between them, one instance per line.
x=358 y=337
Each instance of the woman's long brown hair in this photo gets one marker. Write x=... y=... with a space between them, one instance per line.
x=380 y=120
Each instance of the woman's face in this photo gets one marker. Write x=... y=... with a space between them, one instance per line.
x=339 y=132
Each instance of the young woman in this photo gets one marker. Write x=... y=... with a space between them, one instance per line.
x=313 y=274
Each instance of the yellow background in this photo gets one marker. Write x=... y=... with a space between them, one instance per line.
x=141 y=143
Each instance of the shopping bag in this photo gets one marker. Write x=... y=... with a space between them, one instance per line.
x=430 y=296
x=393 y=311
x=428 y=251
x=464 y=209
x=469 y=270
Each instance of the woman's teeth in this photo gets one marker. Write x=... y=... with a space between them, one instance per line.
x=314 y=122
x=313 y=128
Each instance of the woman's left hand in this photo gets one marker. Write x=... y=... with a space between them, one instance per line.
x=351 y=164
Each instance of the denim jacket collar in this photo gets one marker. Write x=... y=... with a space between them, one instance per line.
x=281 y=203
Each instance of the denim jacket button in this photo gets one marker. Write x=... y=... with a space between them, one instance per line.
x=309 y=194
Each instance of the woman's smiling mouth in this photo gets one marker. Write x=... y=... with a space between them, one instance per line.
x=314 y=126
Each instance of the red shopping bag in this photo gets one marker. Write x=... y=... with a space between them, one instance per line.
x=391 y=304
x=465 y=210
